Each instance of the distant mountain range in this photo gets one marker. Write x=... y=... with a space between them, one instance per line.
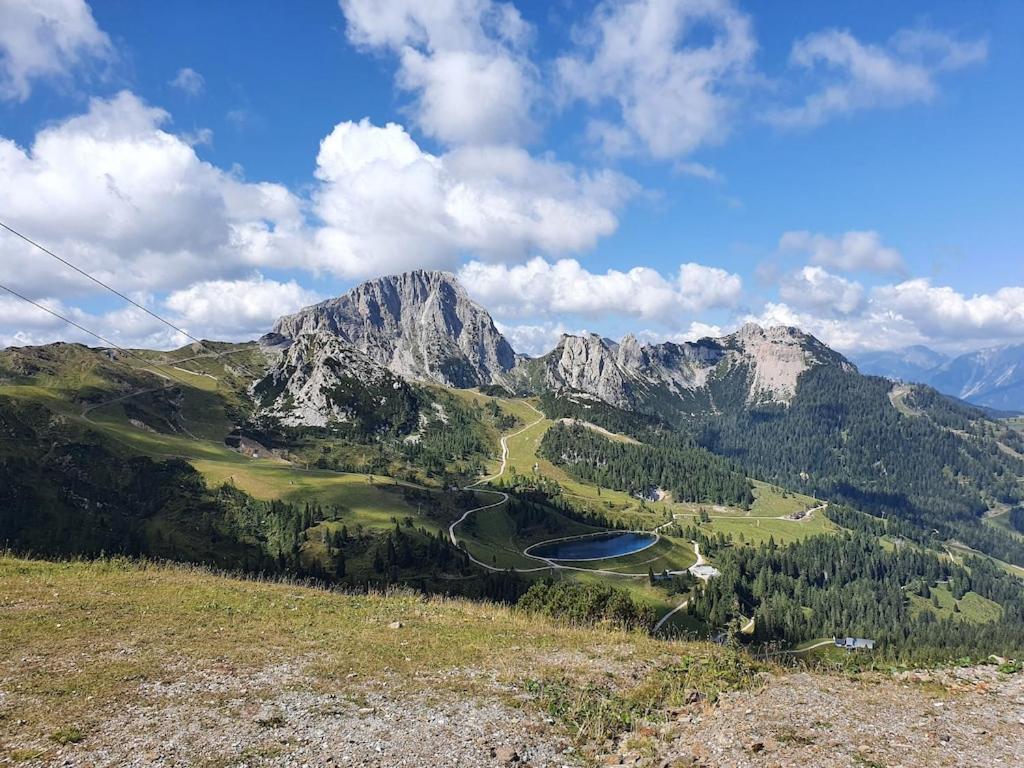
x=991 y=377
x=908 y=364
x=98 y=454
x=422 y=326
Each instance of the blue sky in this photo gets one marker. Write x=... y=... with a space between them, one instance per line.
x=668 y=168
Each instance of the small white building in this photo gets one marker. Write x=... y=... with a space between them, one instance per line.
x=854 y=643
x=704 y=571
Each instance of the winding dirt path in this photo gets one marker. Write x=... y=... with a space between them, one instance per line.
x=169 y=381
x=682 y=605
x=502 y=498
x=549 y=565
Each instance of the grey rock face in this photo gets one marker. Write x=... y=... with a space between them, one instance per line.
x=318 y=380
x=768 y=363
x=421 y=325
x=776 y=357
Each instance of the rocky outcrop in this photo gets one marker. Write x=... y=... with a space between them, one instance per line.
x=317 y=380
x=776 y=357
x=765 y=363
x=421 y=325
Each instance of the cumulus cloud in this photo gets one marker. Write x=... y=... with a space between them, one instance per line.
x=872 y=329
x=237 y=309
x=910 y=312
x=856 y=76
x=189 y=81
x=543 y=288
x=464 y=59
x=850 y=251
x=386 y=205
x=24 y=325
x=114 y=192
x=228 y=310
x=45 y=38
x=672 y=83
x=941 y=311
x=816 y=288
x=695 y=331
x=15 y=312
x=534 y=338
x=539 y=338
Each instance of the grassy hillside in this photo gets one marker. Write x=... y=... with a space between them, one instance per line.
x=102 y=456
x=79 y=640
x=113 y=662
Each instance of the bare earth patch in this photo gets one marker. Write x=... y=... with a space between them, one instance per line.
x=279 y=716
x=114 y=663
x=971 y=717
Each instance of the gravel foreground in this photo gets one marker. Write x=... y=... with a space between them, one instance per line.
x=280 y=717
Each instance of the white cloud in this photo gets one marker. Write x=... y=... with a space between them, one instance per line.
x=15 y=312
x=228 y=310
x=704 y=287
x=387 y=205
x=816 y=288
x=910 y=312
x=534 y=339
x=696 y=330
x=236 y=309
x=700 y=171
x=45 y=39
x=24 y=325
x=851 y=251
x=115 y=193
x=189 y=81
x=464 y=59
x=541 y=288
x=858 y=76
x=941 y=311
x=871 y=330
x=671 y=83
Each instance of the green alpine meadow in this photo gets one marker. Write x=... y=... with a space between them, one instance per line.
x=511 y=384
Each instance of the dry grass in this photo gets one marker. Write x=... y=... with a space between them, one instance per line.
x=77 y=638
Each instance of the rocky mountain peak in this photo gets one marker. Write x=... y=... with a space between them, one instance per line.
x=421 y=325
x=777 y=356
x=768 y=361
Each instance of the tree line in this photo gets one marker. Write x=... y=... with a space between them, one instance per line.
x=848 y=584
x=687 y=472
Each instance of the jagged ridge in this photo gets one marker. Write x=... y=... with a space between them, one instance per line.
x=421 y=325
x=767 y=364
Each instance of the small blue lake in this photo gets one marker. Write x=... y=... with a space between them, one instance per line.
x=595 y=547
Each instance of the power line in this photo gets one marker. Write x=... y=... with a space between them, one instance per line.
x=113 y=290
x=149 y=363
x=99 y=282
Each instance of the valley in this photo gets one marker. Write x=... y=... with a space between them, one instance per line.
x=387 y=542
x=497 y=384
x=315 y=459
